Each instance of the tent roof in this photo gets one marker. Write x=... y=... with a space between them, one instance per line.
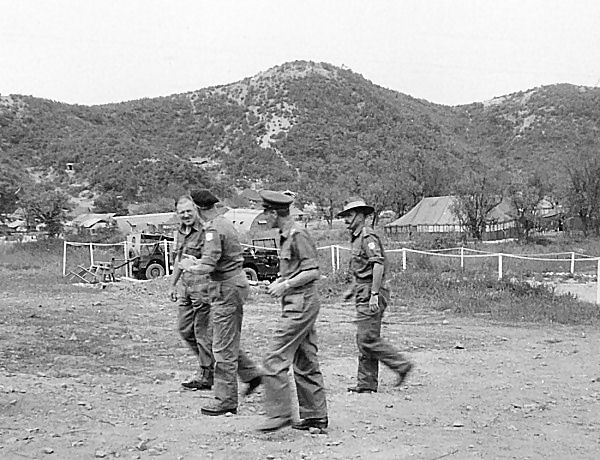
x=438 y=211
x=242 y=218
x=88 y=216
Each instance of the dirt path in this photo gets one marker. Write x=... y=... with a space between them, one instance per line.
x=586 y=292
x=91 y=373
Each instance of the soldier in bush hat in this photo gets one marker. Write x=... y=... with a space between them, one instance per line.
x=371 y=295
x=193 y=314
x=222 y=259
x=294 y=342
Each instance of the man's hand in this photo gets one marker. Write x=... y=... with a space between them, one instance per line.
x=173 y=294
x=374 y=303
x=186 y=263
x=348 y=294
x=278 y=288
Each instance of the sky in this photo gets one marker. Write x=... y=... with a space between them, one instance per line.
x=445 y=51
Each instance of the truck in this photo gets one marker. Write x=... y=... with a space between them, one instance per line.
x=261 y=260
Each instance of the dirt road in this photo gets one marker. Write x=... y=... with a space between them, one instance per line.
x=95 y=373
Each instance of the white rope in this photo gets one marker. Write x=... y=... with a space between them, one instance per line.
x=74 y=243
x=484 y=254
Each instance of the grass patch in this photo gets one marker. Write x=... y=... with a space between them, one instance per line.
x=429 y=282
x=477 y=294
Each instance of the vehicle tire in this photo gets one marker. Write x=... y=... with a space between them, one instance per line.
x=154 y=270
x=251 y=274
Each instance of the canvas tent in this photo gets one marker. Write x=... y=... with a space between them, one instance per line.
x=246 y=220
x=435 y=215
x=162 y=222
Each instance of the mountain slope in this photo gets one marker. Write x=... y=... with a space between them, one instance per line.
x=312 y=127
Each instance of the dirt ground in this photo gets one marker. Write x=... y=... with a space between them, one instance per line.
x=91 y=372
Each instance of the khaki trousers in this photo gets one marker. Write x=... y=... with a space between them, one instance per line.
x=295 y=343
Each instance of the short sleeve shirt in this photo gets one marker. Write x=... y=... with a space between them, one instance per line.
x=366 y=251
x=222 y=248
x=189 y=243
x=297 y=252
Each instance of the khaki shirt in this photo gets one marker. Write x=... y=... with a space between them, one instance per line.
x=189 y=243
x=297 y=252
x=367 y=250
x=222 y=249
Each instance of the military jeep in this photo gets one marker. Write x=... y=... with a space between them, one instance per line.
x=147 y=255
x=261 y=260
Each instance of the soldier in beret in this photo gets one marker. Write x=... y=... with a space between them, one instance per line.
x=369 y=267
x=222 y=259
x=193 y=315
x=295 y=342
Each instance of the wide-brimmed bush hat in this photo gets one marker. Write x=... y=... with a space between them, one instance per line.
x=358 y=205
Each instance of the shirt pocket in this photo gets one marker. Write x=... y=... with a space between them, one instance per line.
x=193 y=248
x=293 y=303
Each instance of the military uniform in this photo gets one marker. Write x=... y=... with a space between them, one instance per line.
x=295 y=340
x=193 y=316
x=229 y=288
x=367 y=251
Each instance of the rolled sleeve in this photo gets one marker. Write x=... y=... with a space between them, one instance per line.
x=307 y=253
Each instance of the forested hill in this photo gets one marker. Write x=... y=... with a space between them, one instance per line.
x=311 y=127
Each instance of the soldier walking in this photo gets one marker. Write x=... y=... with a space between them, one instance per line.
x=193 y=313
x=222 y=259
x=295 y=342
x=371 y=295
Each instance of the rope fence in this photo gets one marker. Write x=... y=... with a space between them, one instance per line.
x=108 y=251
x=463 y=254
x=337 y=253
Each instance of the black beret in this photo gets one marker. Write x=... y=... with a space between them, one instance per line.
x=204 y=198
x=275 y=200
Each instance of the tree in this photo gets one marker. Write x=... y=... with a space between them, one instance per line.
x=10 y=184
x=323 y=184
x=583 y=190
x=45 y=204
x=525 y=192
x=110 y=202
x=478 y=191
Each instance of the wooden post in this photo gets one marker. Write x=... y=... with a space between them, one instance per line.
x=572 y=263
x=462 y=258
x=598 y=283
x=404 y=259
x=500 y=266
x=91 y=254
x=166 y=245
x=65 y=258
x=333 y=258
x=337 y=257
x=125 y=255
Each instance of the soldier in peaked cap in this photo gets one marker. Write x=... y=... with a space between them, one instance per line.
x=369 y=267
x=295 y=342
x=193 y=314
x=222 y=259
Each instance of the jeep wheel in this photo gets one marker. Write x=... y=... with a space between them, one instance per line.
x=154 y=270
x=251 y=274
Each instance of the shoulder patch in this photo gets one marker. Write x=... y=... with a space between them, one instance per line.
x=371 y=245
x=209 y=236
